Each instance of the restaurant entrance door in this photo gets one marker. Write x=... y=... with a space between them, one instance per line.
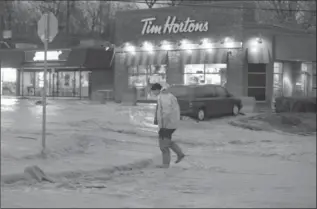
x=60 y=83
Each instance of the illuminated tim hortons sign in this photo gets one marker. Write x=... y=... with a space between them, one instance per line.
x=51 y=56
x=173 y=26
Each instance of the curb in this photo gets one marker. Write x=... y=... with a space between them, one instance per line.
x=14 y=178
x=246 y=126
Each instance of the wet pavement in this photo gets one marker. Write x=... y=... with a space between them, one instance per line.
x=225 y=166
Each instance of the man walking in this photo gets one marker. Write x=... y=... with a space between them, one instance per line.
x=167 y=117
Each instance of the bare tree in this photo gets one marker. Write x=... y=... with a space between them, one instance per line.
x=8 y=7
x=302 y=13
x=150 y=3
x=174 y=2
x=77 y=17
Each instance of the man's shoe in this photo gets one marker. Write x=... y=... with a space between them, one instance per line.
x=180 y=158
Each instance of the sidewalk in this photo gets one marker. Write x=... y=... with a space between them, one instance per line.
x=203 y=179
x=96 y=154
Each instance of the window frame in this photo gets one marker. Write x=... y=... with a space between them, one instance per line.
x=257 y=87
x=204 y=73
x=314 y=75
x=136 y=73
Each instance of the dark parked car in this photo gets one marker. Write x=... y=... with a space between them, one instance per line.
x=203 y=101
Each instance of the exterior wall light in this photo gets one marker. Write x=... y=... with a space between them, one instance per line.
x=189 y=51
x=148 y=47
x=254 y=49
x=259 y=40
x=184 y=42
x=204 y=41
x=129 y=48
x=165 y=45
x=255 y=43
x=206 y=44
x=186 y=45
x=226 y=40
x=229 y=44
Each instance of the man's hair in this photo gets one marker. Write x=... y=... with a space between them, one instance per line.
x=156 y=86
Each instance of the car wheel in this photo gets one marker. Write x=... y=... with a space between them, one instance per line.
x=201 y=114
x=235 y=110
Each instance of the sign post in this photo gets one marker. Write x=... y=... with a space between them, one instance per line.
x=47 y=30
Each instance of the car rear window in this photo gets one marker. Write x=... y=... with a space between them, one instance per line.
x=179 y=91
x=205 y=91
x=221 y=92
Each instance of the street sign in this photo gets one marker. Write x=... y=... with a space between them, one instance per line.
x=50 y=22
x=47 y=29
x=2 y=7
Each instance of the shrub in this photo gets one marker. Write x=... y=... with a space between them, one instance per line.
x=295 y=104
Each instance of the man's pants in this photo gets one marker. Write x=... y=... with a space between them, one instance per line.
x=166 y=143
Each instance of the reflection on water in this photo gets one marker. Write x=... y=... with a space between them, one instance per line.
x=16 y=113
x=6 y=101
x=8 y=104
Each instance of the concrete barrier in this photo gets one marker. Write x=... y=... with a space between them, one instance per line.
x=248 y=104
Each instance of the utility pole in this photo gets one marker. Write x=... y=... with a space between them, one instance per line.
x=2 y=6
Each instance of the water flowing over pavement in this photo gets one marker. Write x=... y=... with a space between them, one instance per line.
x=225 y=166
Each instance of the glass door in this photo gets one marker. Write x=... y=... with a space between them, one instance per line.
x=277 y=80
x=66 y=84
x=84 y=85
x=39 y=83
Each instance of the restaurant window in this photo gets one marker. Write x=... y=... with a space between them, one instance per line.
x=205 y=74
x=8 y=81
x=143 y=76
x=84 y=91
x=305 y=83
x=257 y=81
x=314 y=86
x=277 y=80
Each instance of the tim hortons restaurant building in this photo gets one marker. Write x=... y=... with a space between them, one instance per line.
x=205 y=45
